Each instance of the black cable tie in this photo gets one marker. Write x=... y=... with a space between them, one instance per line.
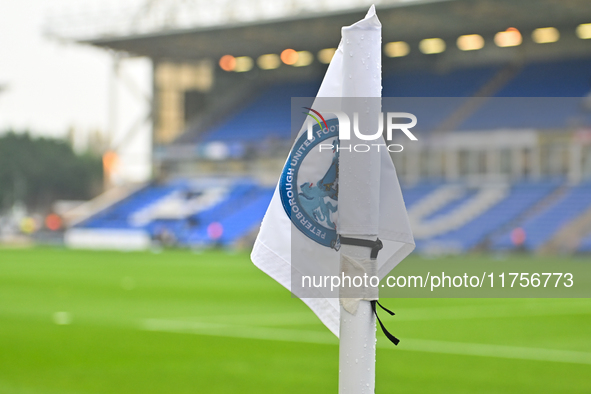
x=386 y=309
x=391 y=337
x=375 y=246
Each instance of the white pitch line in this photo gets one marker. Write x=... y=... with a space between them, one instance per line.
x=258 y=319
x=325 y=338
x=247 y=332
x=458 y=312
x=501 y=351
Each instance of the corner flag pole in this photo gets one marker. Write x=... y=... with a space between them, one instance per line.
x=357 y=347
x=359 y=193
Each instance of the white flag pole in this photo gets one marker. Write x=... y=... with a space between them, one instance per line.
x=359 y=191
x=357 y=348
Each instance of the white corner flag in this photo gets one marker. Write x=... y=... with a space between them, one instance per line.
x=306 y=215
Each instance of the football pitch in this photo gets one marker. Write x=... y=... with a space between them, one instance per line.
x=78 y=322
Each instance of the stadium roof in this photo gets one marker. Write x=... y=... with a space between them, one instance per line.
x=401 y=21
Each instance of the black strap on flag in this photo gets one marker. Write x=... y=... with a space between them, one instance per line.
x=375 y=246
x=391 y=337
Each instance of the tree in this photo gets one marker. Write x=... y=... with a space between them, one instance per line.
x=39 y=171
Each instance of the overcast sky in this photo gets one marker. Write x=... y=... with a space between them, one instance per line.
x=51 y=86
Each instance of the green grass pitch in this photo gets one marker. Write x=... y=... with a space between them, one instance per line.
x=80 y=322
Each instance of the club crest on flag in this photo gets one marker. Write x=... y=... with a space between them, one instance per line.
x=309 y=185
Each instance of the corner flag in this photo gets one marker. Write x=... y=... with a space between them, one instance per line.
x=303 y=216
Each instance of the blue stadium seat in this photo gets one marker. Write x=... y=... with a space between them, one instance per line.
x=241 y=222
x=269 y=114
x=542 y=95
x=461 y=82
x=239 y=212
x=241 y=201
x=540 y=227
x=585 y=245
x=449 y=207
x=413 y=194
x=117 y=215
x=563 y=78
x=520 y=198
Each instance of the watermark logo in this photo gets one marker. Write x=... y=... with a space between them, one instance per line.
x=344 y=132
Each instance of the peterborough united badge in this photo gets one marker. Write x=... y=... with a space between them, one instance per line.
x=309 y=184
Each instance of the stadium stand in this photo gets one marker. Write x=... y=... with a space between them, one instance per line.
x=562 y=78
x=247 y=218
x=239 y=210
x=451 y=206
x=442 y=213
x=415 y=193
x=585 y=245
x=567 y=79
x=468 y=222
x=117 y=216
x=236 y=120
x=453 y=218
x=519 y=198
x=239 y=214
x=542 y=225
x=460 y=82
x=267 y=116
x=269 y=113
